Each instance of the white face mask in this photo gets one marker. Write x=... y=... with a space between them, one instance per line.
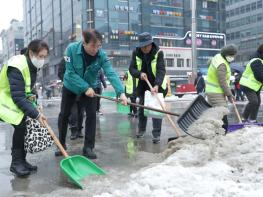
x=38 y=63
x=230 y=58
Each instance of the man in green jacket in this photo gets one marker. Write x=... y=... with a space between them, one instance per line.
x=84 y=59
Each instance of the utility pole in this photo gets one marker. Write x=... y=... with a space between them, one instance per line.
x=194 y=59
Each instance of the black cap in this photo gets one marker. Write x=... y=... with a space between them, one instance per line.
x=145 y=39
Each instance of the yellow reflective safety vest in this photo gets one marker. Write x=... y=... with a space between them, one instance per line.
x=153 y=65
x=129 y=83
x=212 y=83
x=248 y=79
x=9 y=111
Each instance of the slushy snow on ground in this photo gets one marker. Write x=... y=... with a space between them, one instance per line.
x=230 y=165
x=219 y=166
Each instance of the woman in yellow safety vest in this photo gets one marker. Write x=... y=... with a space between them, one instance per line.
x=18 y=77
x=251 y=83
x=218 y=79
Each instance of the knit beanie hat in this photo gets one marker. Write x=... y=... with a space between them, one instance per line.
x=229 y=50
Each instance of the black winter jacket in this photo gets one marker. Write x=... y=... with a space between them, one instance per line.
x=146 y=68
x=17 y=87
x=199 y=84
x=257 y=67
x=61 y=69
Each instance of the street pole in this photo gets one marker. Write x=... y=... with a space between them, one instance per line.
x=194 y=60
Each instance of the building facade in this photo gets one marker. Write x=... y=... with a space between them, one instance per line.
x=244 y=24
x=121 y=21
x=12 y=40
x=60 y=22
x=173 y=33
x=211 y=17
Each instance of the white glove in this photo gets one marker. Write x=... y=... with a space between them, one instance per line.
x=123 y=99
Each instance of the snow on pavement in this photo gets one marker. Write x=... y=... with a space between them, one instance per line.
x=220 y=166
x=234 y=166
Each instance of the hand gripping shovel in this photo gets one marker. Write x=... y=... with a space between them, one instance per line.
x=75 y=167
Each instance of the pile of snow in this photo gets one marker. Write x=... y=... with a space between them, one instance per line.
x=229 y=165
x=219 y=166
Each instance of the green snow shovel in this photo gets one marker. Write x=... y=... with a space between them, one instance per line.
x=75 y=167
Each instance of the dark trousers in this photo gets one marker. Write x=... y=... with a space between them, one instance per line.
x=76 y=117
x=98 y=91
x=133 y=109
x=19 y=135
x=157 y=123
x=89 y=105
x=225 y=123
x=251 y=109
x=239 y=95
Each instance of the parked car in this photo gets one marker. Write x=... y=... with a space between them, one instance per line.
x=183 y=89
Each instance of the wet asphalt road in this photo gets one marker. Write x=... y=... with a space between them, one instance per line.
x=114 y=132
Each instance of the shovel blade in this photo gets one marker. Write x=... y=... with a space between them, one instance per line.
x=193 y=112
x=234 y=127
x=78 y=167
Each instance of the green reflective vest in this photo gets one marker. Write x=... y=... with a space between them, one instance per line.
x=129 y=83
x=153 y=65
x=9 y=111
x=248 y=79
x=212 y=83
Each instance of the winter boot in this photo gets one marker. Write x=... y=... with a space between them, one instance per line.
x=18 y=165
x=140 y=134
x=74 y=133
x=80 y=135
x=28 y=165
x=89 y=153
x=58 y=152
x=156 y=139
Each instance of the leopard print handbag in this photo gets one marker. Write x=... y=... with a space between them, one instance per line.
x=37 y=137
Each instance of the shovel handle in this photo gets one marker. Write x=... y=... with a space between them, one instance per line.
x=236 y=111
x=51 y=132
x=163 y=107
x=138 y=105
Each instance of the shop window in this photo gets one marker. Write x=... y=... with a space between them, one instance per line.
x=259 y=17
x=237 y=11
x=242 y=9
x=170 y=62
x=259 y=4
x=188 y=63
x=180 y=62
x=248 y=8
